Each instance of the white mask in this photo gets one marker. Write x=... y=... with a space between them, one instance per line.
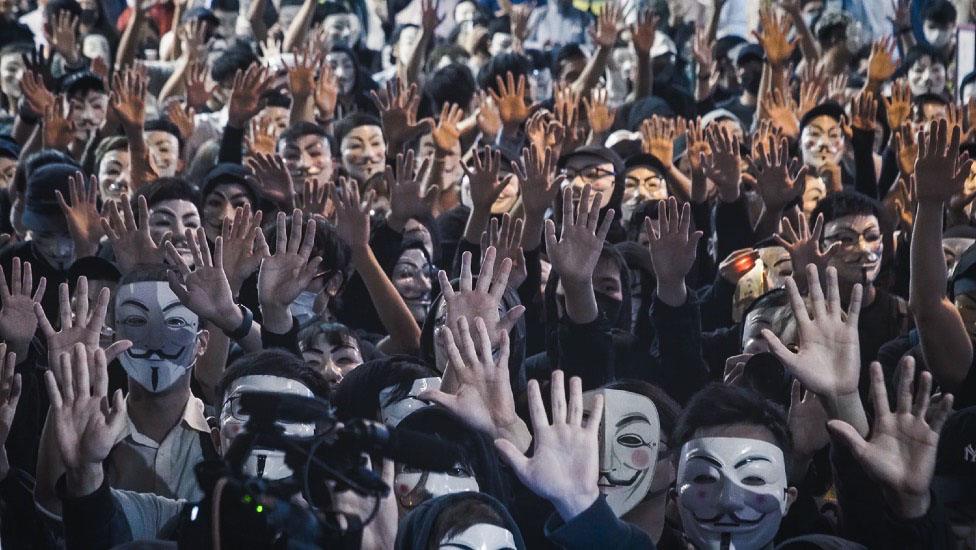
x=926 y=76
x=732 y=492
x=480 y=536
x=162 y=330
x=937 y=37
x=303 y=308
x=413 y=487
x=392 y=412
x=821 y=142
x=629 y=435
x=263 y=463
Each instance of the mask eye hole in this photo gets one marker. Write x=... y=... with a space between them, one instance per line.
x=754 y=481
x=134 y=322
x=705 y=479
x=630 y=440
x=176 y=322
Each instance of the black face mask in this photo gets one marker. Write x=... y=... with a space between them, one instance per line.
x=663 y=71
x=751 y=81
x=608 y=308
x=88 y=17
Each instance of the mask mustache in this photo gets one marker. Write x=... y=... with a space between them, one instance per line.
x=733 y=520
x=619 y=482
x=162 y=355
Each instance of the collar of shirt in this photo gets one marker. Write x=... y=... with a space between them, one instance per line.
x=193 y=419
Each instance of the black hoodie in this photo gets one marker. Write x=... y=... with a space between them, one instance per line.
x=418 y=526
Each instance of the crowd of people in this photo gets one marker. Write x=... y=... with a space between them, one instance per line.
x=467 y=274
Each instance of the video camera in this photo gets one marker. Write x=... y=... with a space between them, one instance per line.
x=243 y=511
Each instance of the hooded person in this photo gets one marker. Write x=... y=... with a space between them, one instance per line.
x=602 y=169
x=384 y=389
x=462 y=520
x=354 y=80
x=477 y=470
x=431 y=354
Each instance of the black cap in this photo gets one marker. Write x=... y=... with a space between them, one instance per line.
x=9 y=148
x=78 y=81
x=598 y=151
x=41 y=208
x=644 y=159
x=201 y=14
x=829 y=108
x=228 y=172
x=964 y=275
x=749 y=52
x=955 y=463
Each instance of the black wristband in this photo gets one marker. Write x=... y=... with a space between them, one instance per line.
x=245 y=326
x=26 y=114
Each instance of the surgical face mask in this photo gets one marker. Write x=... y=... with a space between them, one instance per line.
x=162 y=330
x=393 y=410
x=303 y=308
x=413 y=486
x=481 y=536
x=261 y=462
x=732 y=492
x=630 y=432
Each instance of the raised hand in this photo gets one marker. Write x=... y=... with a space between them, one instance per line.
x=326 y=92
x=864 y=111
x=37 y=96
x=811 y=92
x=314 y=200
x=245 y=96
x=722 y=165
x=488 y=118
x=837 y=87
x=906 y=148
x=204 y=290
x=899 y=106
x=643 y=30
x=446 y=134
x=260 y=138
x=828 y=361
x=657 y=136
x=63 y=36
x=287 y=272
x=673 y=248
x=779 y=179
x=182 y=116
x=82 y=214
x=940 y=171
x=301 y=72
x=244 y=246
x=272 y=179
x=774 y=37
x=510 y=99
x=130 y=240
x=598 y=111
x=483 y=398
x=507 y=241
x=128 y=98
x=565 y=461
x=537 y=174
x=10 y=386
x=78 y=326
x=40 y=62
x=352 y=215
x=606 y=29
x=482 y=299
x=86 y=422
x=807 y=420
x=409 y=197
x=900 y=455
x=804 y=246
x=197 y=92
x=17 y=320
x=881 y=61
x=781 y=110
x=58 y=129
x=398 y=113
x=483 y=178
x=575 y=255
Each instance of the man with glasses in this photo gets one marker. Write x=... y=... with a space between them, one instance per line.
x=603 y=170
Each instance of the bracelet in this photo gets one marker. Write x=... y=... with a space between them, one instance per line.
x=245 y=326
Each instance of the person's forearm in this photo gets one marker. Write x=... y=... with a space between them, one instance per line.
x=533 y=226
x=581 y=305
x=50 y=467
x=410 y=71
x=302 y=109
x=392 y=310
x=865 y=177
x=808 y=46
x=672 y=293
x=299 y=26
x=848 y=408
x=768 y=222
x=477 y=223
x=255 y=18
x=680 y=183
x=275 y=318
x=83 y=481
x=23 y=129
x=210 y=367
x=591 y=72
x=645 y=77
x=138 y=157
x=175 y=84
x=130 y=40
x=946 y=346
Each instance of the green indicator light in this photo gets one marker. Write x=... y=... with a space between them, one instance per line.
x=259 y=508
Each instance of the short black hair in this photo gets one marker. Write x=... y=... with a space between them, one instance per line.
x=724 y=405
x=358 y=395
x=164 y=125
x=146 y=272
x=95 y=268
x=568 y=52
x=271 y=362
x=350 y=123
x=237 y=57
x=335 y=334
x=940 y=12
x=28 y=164
x=667 y=408
x=275 y=98
x=460 y=516
x=304 y=128
x=165 y=189
x=452 y=83
x=846 y=203
x=917 y=52
x=54 y=6
x=499 y=66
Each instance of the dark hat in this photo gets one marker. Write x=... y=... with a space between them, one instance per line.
x=228 y=172
x=646 y=108
x=9 y=148
x=95 y=268
x=644 y=159
x=829 y=108
x=960 y=232
x=41 y=208
x=201 y=14
x=598 y=151
x=749 y=52
x=964 y=276
x=79 y=81
x=955 y=463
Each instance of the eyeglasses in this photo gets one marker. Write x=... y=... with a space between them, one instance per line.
x=586 y=174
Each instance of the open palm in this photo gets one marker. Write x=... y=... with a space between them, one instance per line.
x=576 y=253
x=287 y=272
